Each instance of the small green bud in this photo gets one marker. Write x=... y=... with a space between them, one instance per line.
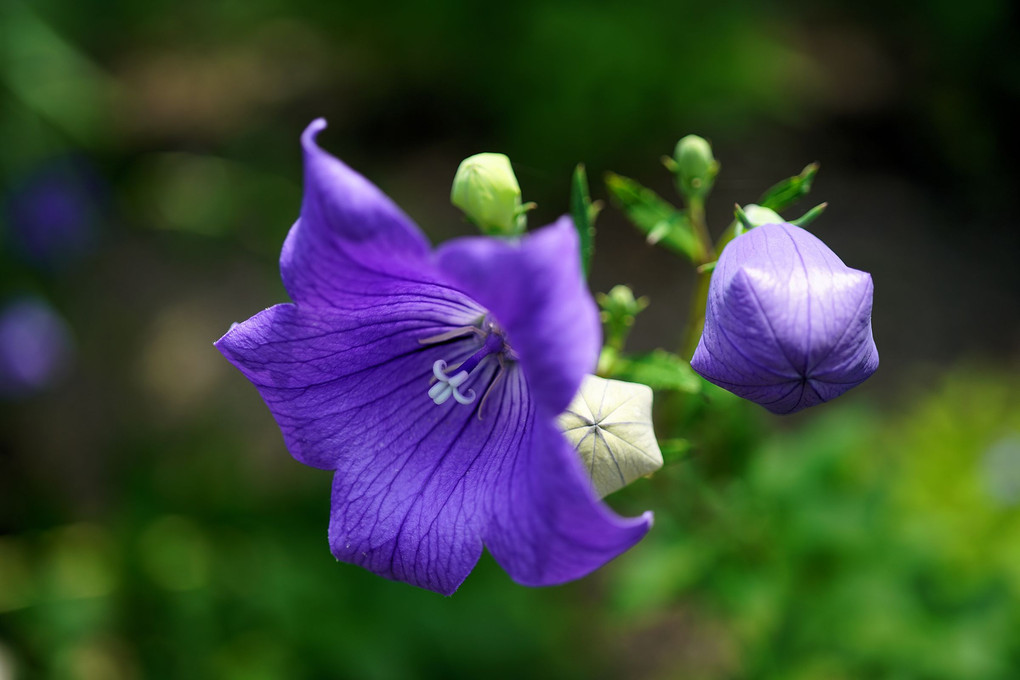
x=486 y=189
x=619 y=309
x=696 y=167
x=621 y=303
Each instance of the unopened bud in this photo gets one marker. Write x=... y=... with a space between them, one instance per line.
x=758 y=215
x=486 y=189
x=696 y=167
x=804 y=337
x=609 y=422
x=619 y=308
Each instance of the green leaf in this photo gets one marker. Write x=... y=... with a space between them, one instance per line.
x=789 y=191
x=584 y=212
x=661 y=222
x=660 y=370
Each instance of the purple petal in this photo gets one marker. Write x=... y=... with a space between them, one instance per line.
x=412 y=505
x=326 y=373
x=788 y=325
x=350 y=235
x=536 y=292
x=350 y=393
x=547 y=526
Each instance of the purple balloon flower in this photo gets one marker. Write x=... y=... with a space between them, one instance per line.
x=430 y=382
x=788 y=324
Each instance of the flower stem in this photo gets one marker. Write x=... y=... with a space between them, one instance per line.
x=699 y=299
x=696 y=316
x=696 y=214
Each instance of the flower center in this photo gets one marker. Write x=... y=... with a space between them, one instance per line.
x=449 y=382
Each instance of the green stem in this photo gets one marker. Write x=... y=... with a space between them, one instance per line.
x=696 y=316
x=728 y=235
x=699 y=300
x=696 y=214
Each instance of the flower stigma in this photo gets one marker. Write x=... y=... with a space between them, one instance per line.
x=447 y=382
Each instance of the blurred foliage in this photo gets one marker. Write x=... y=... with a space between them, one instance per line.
x=151 y=523
x=858 y=546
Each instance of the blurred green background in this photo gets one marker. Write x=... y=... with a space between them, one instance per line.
x=152 y=524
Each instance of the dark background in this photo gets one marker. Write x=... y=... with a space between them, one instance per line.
x=151 y=521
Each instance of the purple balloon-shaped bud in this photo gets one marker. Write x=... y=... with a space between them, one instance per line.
x=788 y=325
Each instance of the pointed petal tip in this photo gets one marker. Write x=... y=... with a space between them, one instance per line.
x=223 y=343
x=312 y=131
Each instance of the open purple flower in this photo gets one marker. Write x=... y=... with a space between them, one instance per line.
x=788 y=325
x=430 y=382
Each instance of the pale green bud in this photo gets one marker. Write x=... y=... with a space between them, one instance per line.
x=758 y=215
x=696 y=167
x=609 y=422
x=486 y=189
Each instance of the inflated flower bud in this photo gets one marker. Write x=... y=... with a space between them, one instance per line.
x=609 y=422
x=696 y=167
x=486 y=189
x=788 y=325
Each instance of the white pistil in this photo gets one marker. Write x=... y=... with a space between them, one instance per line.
x=447 y=386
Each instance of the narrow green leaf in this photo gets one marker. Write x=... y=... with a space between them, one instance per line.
x=660 y=370
x=790 y=190
x=658 y=219
x=583 y=212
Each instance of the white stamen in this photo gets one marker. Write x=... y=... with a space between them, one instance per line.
x=446 y=386
x=462 y=399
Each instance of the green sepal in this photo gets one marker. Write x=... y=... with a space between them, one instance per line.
x=707 y=267
x=659 y=369
x=790 y=190
x=658 y=219
x=810 y=216
x=584 y=212
x=743 y=223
